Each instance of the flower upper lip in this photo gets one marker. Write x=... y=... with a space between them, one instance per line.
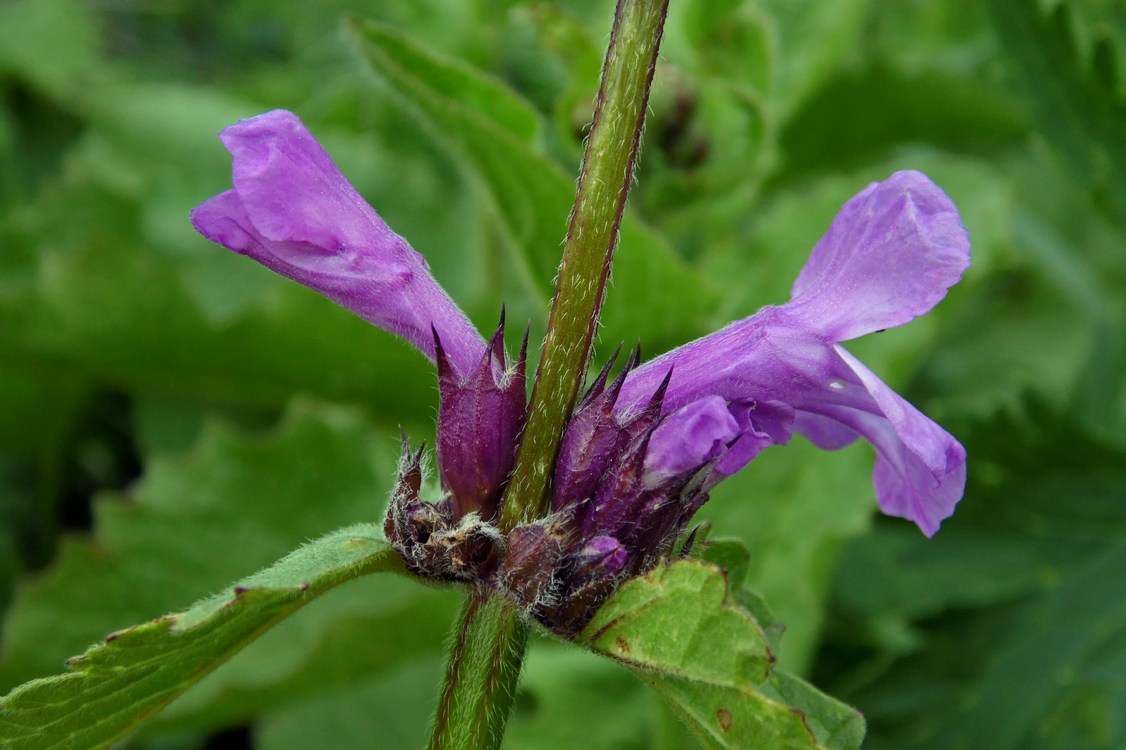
x=293 y=211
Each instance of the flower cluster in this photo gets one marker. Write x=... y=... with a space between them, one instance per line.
x=640 y=452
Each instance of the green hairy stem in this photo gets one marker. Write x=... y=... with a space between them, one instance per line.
x=611 y=152
x=491 y=638
x=484 y=665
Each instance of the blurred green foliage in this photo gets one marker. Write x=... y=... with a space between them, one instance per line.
x=173 y=417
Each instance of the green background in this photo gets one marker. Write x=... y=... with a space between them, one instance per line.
x=174 y=417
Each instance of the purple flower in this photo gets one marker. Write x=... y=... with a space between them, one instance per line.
x=888 y=257
x=294 y=212
x=641 y=452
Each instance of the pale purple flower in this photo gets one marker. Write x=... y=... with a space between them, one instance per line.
x=889 y=256
x=640 y=453
x=293 y=211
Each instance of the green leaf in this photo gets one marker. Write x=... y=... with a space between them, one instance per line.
x=816 y=38
x=234 y=502
x=364 y=632
x=474 y=95
x=118 y=684
x=732 y=556
x=1078 y=112
x=688 y=604
x=533 y=196
x=681 y=631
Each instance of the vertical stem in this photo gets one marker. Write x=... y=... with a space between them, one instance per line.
x=481 y=674
x=491 y=638
x=611 y=152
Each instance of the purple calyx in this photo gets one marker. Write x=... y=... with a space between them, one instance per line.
x=480 y=417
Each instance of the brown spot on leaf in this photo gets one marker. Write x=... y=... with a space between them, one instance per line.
x=623 y=644
x=724 y=717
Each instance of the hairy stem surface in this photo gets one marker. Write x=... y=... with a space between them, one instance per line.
x=481 y=674
x=491 y=638
x=611 y=153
